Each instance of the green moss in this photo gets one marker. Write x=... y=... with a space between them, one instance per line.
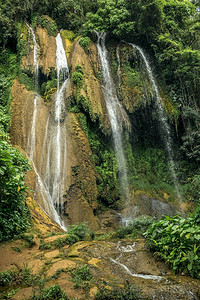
x=68 y=34
x=23 y=41
x=83 y=122
x=133 y=77
x=28 y=80
x=85 y=106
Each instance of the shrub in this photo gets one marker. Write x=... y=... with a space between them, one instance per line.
x=80 y=230
x=77 y=78
x=14 y=214
x=6 y=278
x=29 y=238
x=52 y=293
x=176 y=241
x=85 y=43
x=17 y=277
x=48 y=23
x=136 y=228
x=81 y=277
x=44 y=246
x=128 y=292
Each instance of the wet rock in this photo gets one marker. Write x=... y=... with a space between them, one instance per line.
x=110 y=219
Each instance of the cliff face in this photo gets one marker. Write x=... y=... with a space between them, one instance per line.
x=91 y=86
x=89 y=167
x=46 y=48
x=80 y=181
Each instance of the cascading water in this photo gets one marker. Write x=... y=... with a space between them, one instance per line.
x=129 y=249
x=116 y=113
x=54 y=163
x=163 y=120
x=31 y=138
x=50 y=177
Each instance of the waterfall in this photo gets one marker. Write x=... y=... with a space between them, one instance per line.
x=31 y=138
x=50 y=177
x=117 y=115
x=163 y=120
x=119 y=63
x=54 y=153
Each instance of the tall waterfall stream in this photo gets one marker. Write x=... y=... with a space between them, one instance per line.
x=116 y=113
x=50 y=176
x=166 y=135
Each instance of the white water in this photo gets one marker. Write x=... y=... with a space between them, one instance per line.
x=116 y=113
x=119 y=63
x=166 y=135
x=50 y=183
x=54 y=153
x=31 y=138
x=130 y=248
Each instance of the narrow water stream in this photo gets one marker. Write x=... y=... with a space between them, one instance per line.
x=116 y=113
x=166 y=134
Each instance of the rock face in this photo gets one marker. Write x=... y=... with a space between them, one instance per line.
x=46 y=45
x=80 y=187
x=82 y=191
x=91 y=87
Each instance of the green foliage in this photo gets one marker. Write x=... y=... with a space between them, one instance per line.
x=82 y=277
x=68 y=34
x=80 y=230
x=28 y=80
x=176 y=240
x=110 y=16
x=148 y=169
x=29 y=238
x=6 y=278
x=85 y=43
x=44 y=246
x=72 y=105
x=105 y=166
x=136 y=228
x=76 y=233
x=85 y=105
x=22 y=276
x=193 y=189
x=127 y=292
x=49 y=88
x=14 y=216
x=24 y=43
x=133 y=77
x=77 y=78
x=48 y=23
x=83 y=122
x=9 y=68
x=52 y=293
x=4 y=120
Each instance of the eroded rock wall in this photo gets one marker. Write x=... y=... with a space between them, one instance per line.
x=80 y=188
